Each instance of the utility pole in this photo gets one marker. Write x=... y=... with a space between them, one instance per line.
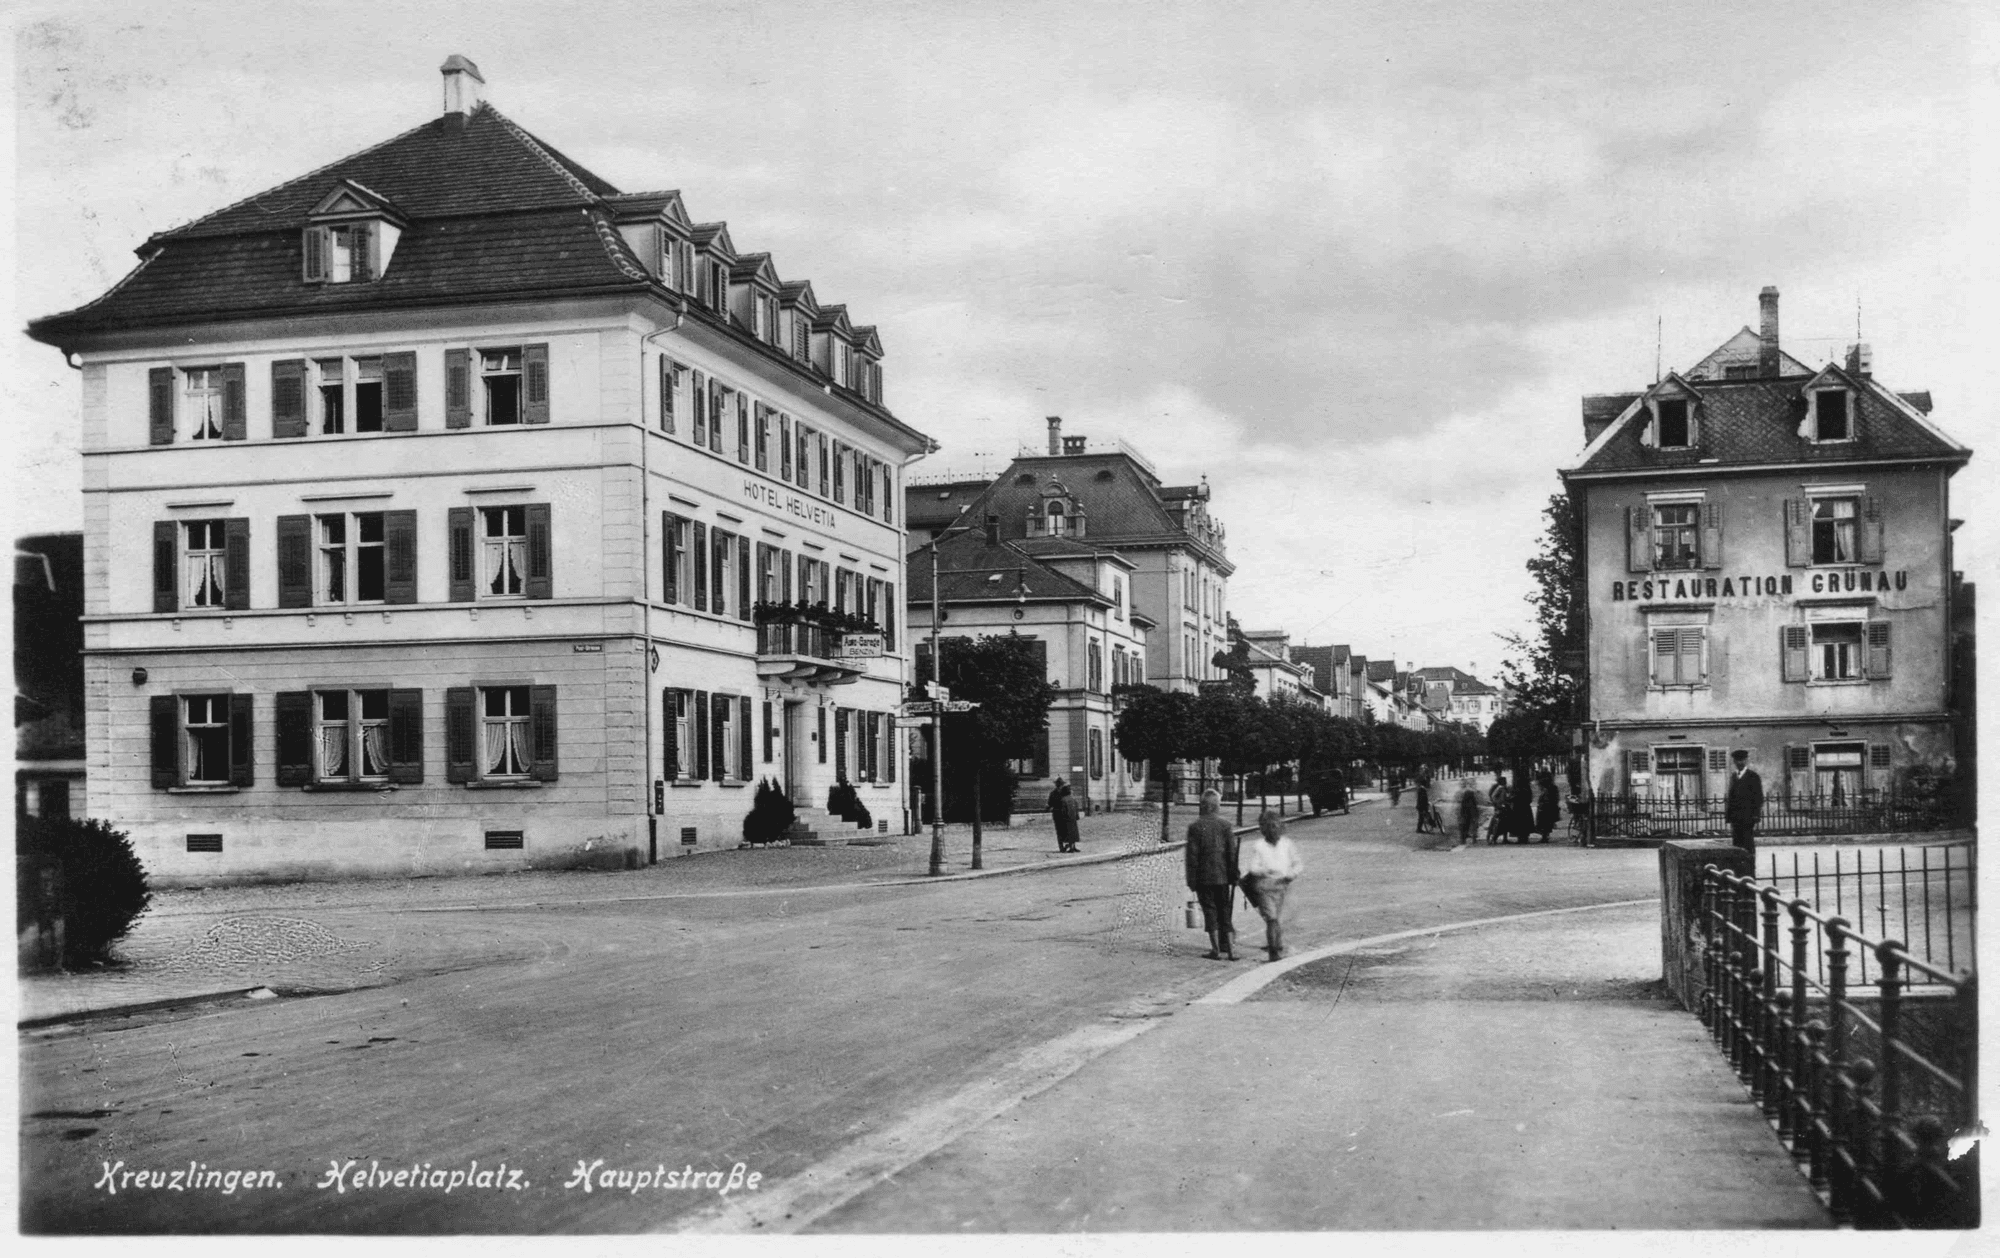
x=937 y=723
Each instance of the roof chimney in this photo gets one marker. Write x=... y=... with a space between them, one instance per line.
x=464 y=87
x=992 y=529
x=1055 y=434
x=1860 y=359
x=1767 y=331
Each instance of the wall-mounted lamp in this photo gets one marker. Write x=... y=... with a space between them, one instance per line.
x=138 y=676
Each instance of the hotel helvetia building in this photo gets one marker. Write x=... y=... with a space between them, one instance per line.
x=442 y=508
x=1769 y=558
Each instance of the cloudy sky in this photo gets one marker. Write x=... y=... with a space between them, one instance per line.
x=1354 y=263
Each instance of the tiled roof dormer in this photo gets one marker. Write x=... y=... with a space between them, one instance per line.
x=350 y=235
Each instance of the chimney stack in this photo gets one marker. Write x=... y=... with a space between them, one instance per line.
x=992 y=529
x=1055 y=434
x=1767 y=331
x=1860 y=359
x=464 y=87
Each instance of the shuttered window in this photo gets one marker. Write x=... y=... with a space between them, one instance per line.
x=1677 y=657
x=202 y=740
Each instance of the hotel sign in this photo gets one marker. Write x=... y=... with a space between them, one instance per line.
x=1709 y=589
x=767 y=495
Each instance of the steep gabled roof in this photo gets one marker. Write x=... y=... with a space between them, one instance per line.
x=1383 y=671
x=449 y=166
x=968 y=568
x=1117 y=496
x=1321 y=660
x=1741 y=351
x=1748 y=422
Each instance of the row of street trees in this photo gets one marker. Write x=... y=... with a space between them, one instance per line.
x=1268 y=739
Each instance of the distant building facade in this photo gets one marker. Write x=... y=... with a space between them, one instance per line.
x=1769 y=566
x=1073 y=600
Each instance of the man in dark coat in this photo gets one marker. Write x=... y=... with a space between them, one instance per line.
x=1211 y=874
x=1063 y=813
x=1743 y=805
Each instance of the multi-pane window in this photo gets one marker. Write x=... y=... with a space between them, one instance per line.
x=205 y=738
x=1833 y=530
x=1836 y=652
x=681 y=713
x=762 y=434
x=505 y=749
x=1837 y=772
x=203 y=402
x=679 y=562
x=825 y=472
x=205 y=565
x=503 y=551
x=1677 y=656
x=1677 y=536
x=500 y=384
x=1118 y=596
x=352 y=558
x=726 y=739
x=1678 y=773
x=331 y=395
x=1096 y=655
x=351 y=735
x=839 y=472
x=670 y=388
x=368 y=395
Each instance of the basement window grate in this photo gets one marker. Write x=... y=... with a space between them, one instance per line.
x=503 y=840
x=204 y=843
x=688 y=836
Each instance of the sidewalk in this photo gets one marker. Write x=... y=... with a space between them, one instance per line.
x=1530 y=1074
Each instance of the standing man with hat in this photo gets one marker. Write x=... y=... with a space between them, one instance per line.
x=1743 y=805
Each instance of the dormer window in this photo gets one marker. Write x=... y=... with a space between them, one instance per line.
x=1058 y=519
x=673 y=262
x=1831 y=420
x=349 y=237
x=1675 y=429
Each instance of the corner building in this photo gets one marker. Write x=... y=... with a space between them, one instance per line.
x=1769 y=565
x=447 y=510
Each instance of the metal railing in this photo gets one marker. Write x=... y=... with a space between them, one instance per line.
x=1636 y=816
x=784 y=638
x=1925 y=896
x=1865 y=1088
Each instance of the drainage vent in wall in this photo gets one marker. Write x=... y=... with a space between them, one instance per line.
x=498 y=839
x=687 y=836
x=882 y=827
x=204 y=843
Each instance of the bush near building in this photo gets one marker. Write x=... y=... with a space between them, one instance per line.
x=98 y=888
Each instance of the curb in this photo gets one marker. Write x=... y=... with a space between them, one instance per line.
x=138 y=1006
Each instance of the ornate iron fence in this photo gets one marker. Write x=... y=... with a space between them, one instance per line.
x=1638 y=816
x=1866 y=1088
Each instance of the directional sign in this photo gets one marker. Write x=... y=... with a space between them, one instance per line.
x=918 y=708
x=958 y=705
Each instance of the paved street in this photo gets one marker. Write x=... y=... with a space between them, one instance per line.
x=827 y=1032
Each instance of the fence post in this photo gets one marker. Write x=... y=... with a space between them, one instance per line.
x=1840 y=1192
x=1768 y=1054
x=1798 y=1064
x=1890 y=1163
x=1815 y=1114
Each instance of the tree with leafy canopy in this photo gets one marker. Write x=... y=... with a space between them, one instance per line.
x=1159 y=727
x=1007 y=676
x=1546 y=682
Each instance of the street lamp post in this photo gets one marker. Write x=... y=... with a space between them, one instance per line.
x=937 y=724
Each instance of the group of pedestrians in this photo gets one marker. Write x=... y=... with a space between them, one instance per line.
x=1217 y=864
x=1520 y=812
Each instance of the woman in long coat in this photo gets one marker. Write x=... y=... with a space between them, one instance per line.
x=1063 y=811
x=1545 y=803
x=1520 y=809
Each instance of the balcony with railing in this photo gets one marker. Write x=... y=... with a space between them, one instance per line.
x=808 y=644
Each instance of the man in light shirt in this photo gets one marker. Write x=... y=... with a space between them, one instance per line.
x=1268 y=866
